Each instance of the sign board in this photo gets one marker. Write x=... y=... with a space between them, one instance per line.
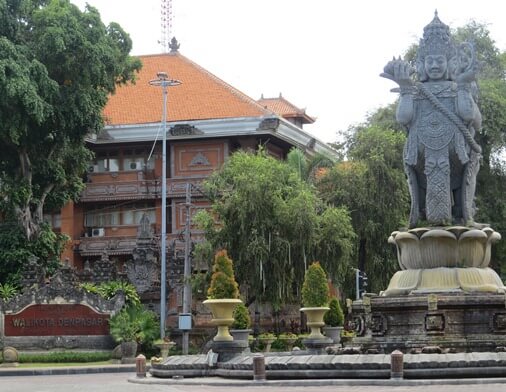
x=185 y=321
x=55 y=320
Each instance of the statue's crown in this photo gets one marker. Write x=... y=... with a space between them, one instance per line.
x=436 y=39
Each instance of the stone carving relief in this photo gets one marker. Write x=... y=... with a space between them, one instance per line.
x=143 y=269
x=434 y=323
x=499 y=322
x=378 y=324
x=184 y=130
x=199 y=160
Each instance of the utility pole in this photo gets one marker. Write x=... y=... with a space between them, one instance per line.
x=163 y=81
x=187 y=290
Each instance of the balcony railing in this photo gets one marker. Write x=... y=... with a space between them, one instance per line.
x=141 y=189
x=124 y=245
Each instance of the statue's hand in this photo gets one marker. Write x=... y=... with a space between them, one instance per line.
x=466 y=76
x=400 y=72
x=466 y=65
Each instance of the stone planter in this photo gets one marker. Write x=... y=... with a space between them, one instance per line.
x=315 y=321
x=222 y=310
x=333 y=333
x=241 y=334
x=165 y=348
x=267 y=342
x=128 y=351
x=289 y=342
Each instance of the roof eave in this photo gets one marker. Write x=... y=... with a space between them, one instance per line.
x=215 y=128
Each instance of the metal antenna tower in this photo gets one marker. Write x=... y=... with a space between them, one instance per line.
x=166 y=16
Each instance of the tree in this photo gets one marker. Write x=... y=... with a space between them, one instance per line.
x=57 y=67
x=371 y=185
x=308 y=168
x=272 y=223
x=491 y=181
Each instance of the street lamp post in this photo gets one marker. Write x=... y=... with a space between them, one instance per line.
x=162 y=80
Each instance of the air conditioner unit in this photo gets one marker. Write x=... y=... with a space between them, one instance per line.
x=99 y=232
x=135 y=166
x=92 y=168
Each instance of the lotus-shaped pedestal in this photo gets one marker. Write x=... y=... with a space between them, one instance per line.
x=455 y=246
x=454 y=258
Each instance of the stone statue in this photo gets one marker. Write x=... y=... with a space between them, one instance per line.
x=144 y=230
x=438 y=108
x=443 y=250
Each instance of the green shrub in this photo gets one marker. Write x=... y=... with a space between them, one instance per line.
x=64 y=356
x=134 y=323
x=110 y=289
x=315 y=289
x=8 y=291
x=334 y=316
x=242 y=319
x=223 y=284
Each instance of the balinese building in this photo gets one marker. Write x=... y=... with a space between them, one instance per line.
x=206 y=121
x=287 y=110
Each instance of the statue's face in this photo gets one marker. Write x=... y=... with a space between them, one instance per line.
x=435 y=66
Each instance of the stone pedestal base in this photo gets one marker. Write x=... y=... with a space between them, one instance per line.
x=317 y=346
x=452 y=322
x=228 y=350
x=444 y=279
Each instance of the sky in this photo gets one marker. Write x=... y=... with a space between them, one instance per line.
x=322 y=55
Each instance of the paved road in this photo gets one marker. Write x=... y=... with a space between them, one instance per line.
x=118 y=382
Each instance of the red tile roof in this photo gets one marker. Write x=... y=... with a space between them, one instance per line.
x=200 y=96
x=286 y=109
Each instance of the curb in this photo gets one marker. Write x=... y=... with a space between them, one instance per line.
x=66 y=370
x=217 y=381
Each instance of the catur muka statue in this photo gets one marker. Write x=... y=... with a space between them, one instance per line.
x=437 y=106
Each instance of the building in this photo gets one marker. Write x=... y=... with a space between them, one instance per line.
x=287 y=110
x=207 y=120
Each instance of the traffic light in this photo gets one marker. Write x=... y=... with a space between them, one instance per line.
x=360 y=283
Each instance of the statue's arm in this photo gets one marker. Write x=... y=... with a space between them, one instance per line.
x=466 y=106
x=405 y=108
x=400 y=72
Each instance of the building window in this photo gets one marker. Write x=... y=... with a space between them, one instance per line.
x=54 y=220
x=135 y=159
x=102 y=218
x=128 y=215
x=122 y=160
x=132 y=215
x=106 y=162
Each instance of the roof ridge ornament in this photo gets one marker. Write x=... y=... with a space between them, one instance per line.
x=174 y=45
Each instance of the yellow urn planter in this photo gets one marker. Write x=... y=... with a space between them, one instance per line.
x=222 y=310
x=315 y=321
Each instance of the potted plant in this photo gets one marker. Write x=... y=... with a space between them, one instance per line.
x=223 y=295
x=288 y=339
x=315 y=298
x=267 y=338
x=131 y=326
x=334 y=320
x=240 y=328
x=164 y=345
